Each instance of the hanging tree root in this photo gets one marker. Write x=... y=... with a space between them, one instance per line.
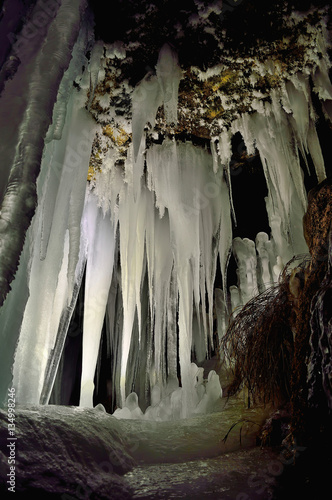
x=259 y=344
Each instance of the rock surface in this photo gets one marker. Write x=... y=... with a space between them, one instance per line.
x=64 y=452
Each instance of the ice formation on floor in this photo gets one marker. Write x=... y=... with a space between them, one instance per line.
x=167 y=402
x=149 y=234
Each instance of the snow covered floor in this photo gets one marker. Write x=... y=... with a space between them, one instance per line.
x=188 y=458
x=243 y=475
x=193 y=438
x=70 y=450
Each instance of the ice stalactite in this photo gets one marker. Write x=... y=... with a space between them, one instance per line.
x=28 y=111
x=55 y=239
x=225 y=154
x=171 y=229
x=99 y=268
x=132 y=241
x=280 y=130
x=95 y=65
x=169 y=75
x=160 y=265
x=194 y=224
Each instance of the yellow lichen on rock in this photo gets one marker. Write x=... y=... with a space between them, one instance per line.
x=119 y=137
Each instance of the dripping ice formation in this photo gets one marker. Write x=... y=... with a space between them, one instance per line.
x=149 y=235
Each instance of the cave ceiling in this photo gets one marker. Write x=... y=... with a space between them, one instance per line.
x=234 y=57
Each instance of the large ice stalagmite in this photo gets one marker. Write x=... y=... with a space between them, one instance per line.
x=265 y=262
x=245 y=254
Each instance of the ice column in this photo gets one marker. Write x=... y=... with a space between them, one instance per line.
x=264 y=274
x=245 y=255
x=55 y=253
x=132 y=217
x=99 y=269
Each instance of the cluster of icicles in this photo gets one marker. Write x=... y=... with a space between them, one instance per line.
x=149 y=236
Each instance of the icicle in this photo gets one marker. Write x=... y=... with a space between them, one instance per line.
x=72 y=154
x=132 y=243
x=152 y=92
x=225 y=242
x=78 y=60
x=38 y=332
x=95 y=69
x=99 y=268
x=196 y=201
x=280 y=163
x=220 y=307
x=242 y=125
x=66 y=315
x=169 y=75
x=146 y=99
x=304 y=129
x=235 y=299
x=299 y=107
x=225 y=153
x=316 y=152
x=322 y=82
x=210 y=221
x=160 y=266
x=214 y=152
x=199 y=344
x=57 y=248
x=172 y=308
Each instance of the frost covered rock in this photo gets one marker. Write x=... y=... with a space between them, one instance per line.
x=66 y=451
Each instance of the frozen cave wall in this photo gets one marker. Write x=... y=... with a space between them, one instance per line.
x=139 y=139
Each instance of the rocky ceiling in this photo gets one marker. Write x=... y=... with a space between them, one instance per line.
x=233 y=56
